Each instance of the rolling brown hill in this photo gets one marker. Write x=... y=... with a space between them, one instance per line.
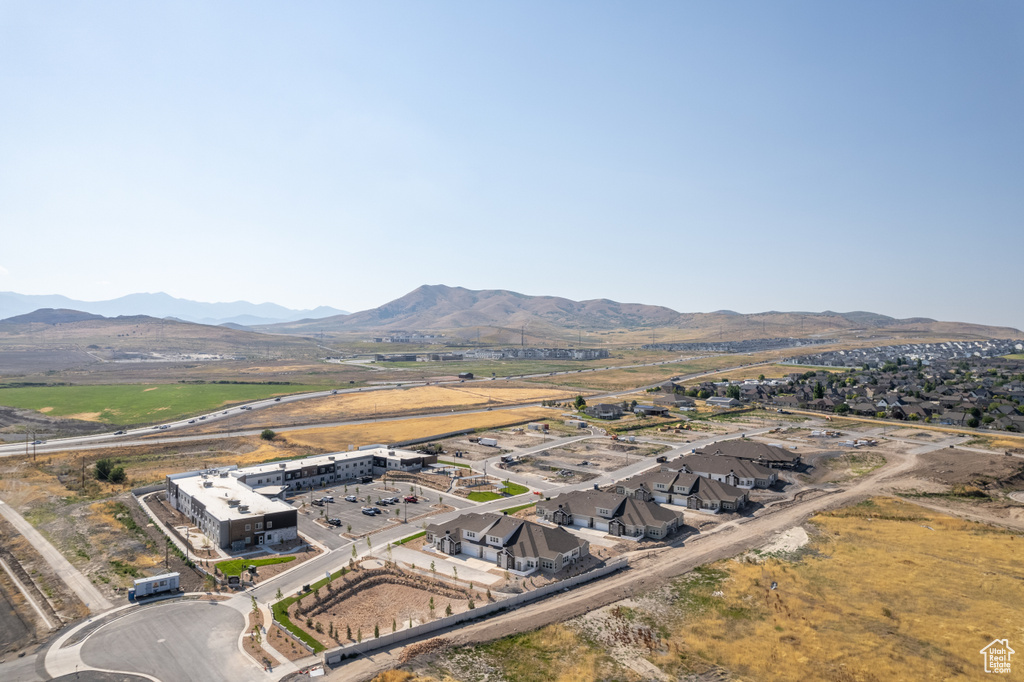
x=443 y=308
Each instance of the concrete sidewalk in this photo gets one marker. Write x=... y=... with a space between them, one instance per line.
x=74 y=579
x=469 y=569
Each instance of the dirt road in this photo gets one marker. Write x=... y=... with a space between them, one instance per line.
x=649 y=569
x=78 y=583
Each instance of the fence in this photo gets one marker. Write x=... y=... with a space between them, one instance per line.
x=337 y=655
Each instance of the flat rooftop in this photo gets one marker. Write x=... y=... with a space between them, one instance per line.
x=314 y=460
x=220 y=493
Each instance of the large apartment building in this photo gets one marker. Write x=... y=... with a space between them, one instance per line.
x=237 y=508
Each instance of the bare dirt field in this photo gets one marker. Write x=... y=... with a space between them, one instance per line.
x=603 y=454
x=508 y=440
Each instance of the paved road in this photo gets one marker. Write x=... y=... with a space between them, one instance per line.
x=78 y=583
x=189 y=641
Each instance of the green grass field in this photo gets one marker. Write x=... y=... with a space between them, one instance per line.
x=235 y=566
x=139 y=403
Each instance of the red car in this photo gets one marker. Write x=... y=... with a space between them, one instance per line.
x=411 y=498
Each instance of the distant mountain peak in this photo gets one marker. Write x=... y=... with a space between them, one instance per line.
x=163 y=305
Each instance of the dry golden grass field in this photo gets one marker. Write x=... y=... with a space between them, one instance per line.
x=886 y=590
x=334 y=438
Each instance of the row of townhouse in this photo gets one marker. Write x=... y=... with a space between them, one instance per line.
x=510 y=543
x=614 y=513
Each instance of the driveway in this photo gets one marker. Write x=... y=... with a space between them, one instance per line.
x=181 y=642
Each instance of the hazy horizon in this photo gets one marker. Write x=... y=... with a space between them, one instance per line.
x=746 y=157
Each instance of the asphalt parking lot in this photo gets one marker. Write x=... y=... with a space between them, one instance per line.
x=351 y=513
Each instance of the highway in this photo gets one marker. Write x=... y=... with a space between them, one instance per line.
x=151 y=434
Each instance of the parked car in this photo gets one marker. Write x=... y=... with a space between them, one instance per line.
x=411 y=498
x=328 y=498
x=661 y=459
x=376 y=510
x=367 y=479
x=318 y=503
x=368 y=511
x=384 y=502
x=394 y=500
x=351 y=498
x=334 y=522
x=584 y=463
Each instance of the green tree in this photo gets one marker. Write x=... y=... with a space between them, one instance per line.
x=819 y=391
x=973 y=422
x=580 y=403
x=733 y=392
x=841 y=408
x=376 y=631
x=107 y=471
x=267 y=434
x=448 y=610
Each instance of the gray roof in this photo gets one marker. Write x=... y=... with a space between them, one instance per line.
x=630 y=511
x=748 y=449
x=526 y=540
x=720 y=465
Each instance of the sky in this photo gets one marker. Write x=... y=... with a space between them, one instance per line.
x=748 y=156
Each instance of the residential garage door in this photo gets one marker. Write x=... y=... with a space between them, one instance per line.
x=601 y=525
x=490 y=554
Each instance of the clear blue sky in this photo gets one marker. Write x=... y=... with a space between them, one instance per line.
x=700 y=155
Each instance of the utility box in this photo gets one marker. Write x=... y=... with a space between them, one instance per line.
x=158 y=584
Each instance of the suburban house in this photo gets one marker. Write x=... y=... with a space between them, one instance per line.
x=674 y=400
x=510 y=543
x=742 y=473
x=613 y=513
x=650 y=411
x=766 y=455
x=605 y=411
x=684 y=489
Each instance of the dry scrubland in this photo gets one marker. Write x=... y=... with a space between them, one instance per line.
x=332 y=438
x=885 y=590
x=413 y=400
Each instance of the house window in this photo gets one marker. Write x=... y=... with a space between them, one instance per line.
x=270 y=524
x=247 y=527
x=492 y=538
x=259 y=525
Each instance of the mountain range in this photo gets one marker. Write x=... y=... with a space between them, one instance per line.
x=163 y=305
x=440 y=307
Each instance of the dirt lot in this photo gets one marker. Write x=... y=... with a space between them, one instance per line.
x=508 y=440
x=954 y=466
x=365 y=598
x=603 y=454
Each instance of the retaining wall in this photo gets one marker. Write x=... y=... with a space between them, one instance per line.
x=335 y=656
